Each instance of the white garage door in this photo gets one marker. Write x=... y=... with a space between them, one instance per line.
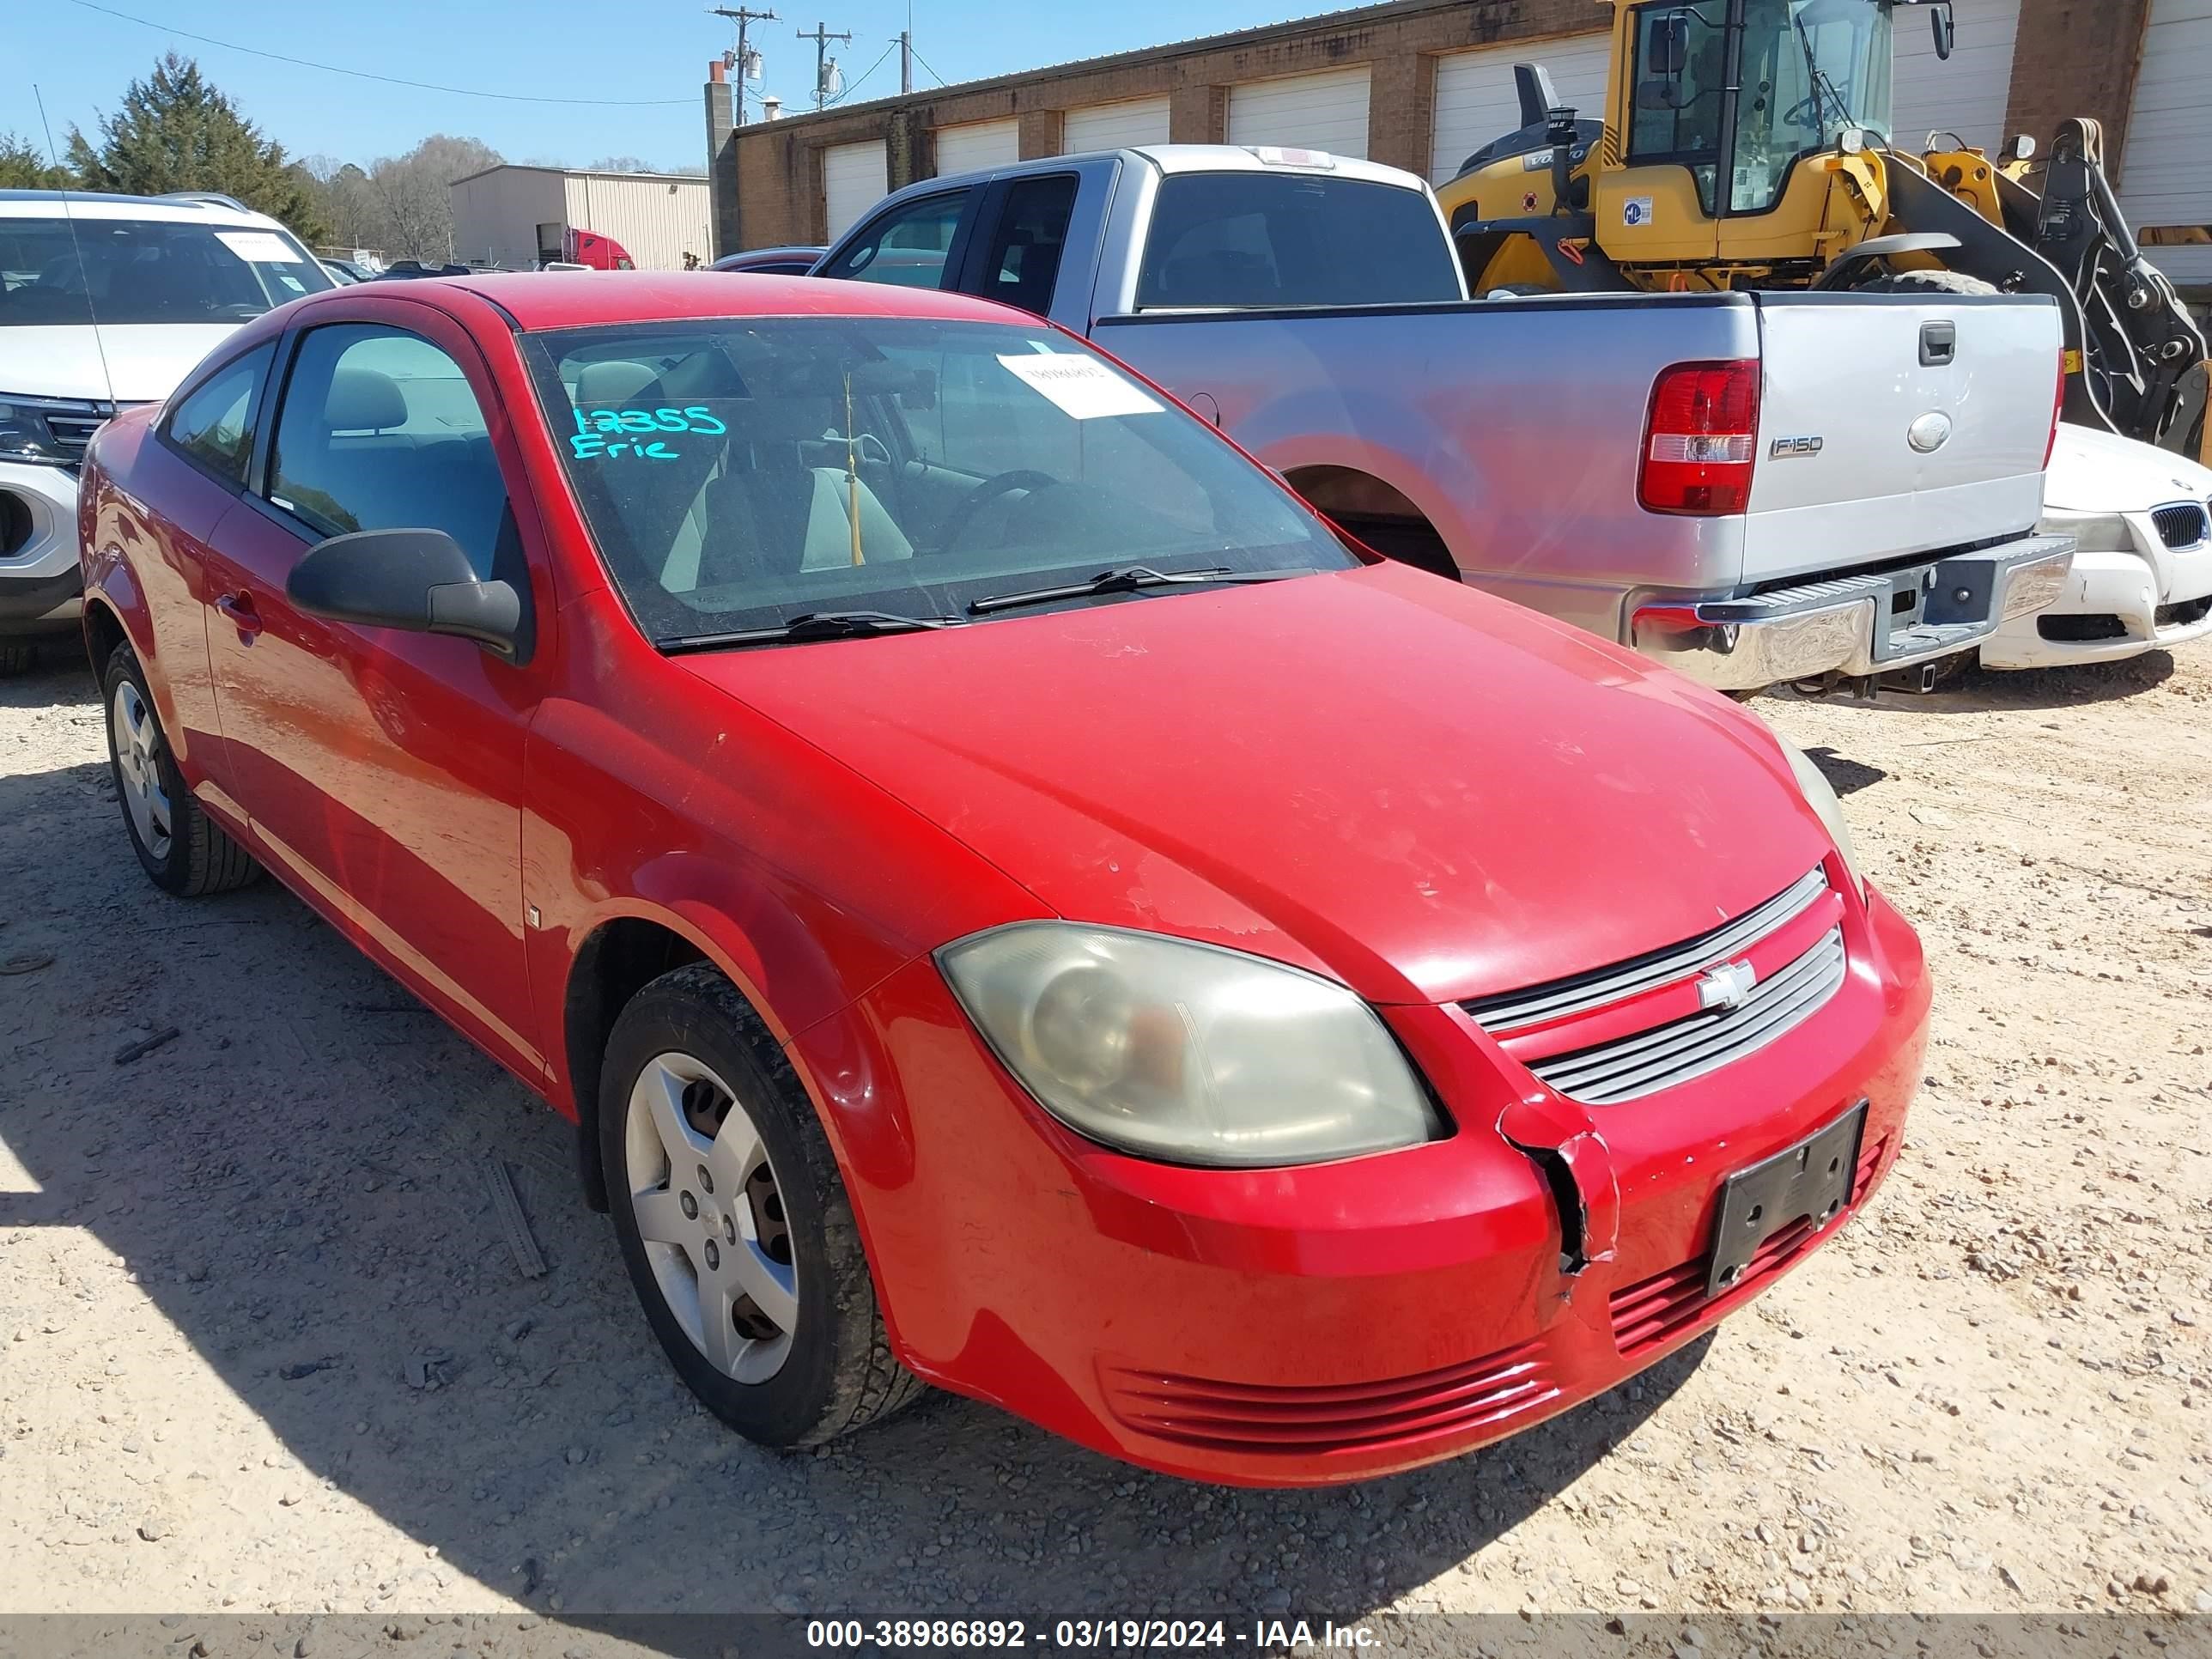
x=1967 y=95
x=1304 y=112
x=1476 y=101
x=2164 y=185
x=855 y=178
x=978 y=144
x=1124 y=125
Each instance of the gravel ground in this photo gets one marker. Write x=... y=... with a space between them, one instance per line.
x=263 y=1347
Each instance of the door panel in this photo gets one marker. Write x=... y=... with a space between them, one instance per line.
x=382 y=769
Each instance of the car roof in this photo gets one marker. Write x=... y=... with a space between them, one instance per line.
x=584 y=299
x=182 y=208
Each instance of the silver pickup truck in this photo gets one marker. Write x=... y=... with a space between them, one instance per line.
x=1758 y=489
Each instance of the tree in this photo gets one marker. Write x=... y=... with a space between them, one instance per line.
x=413 y=195
x=176 y=131
x=23 y=166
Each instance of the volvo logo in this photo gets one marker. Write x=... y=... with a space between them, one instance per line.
x=1929 y=433
x=1728 y=987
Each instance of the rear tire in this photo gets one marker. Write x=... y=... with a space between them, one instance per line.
x=1930 y=282
x=182 y=850
x=734 y=1223
x=17 y=659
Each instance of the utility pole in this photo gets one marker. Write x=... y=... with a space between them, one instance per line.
x=821 y=37
x=906 y=61
x=747 y=61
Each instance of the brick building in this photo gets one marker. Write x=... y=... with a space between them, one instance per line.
x=1421 y=83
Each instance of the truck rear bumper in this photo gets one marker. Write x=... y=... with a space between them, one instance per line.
x=1858 y=626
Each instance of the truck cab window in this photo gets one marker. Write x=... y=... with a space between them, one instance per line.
x=1022 y=262
x=907 y=246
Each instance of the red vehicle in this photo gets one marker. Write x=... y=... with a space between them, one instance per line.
x=1009 y=897
x=588 y=247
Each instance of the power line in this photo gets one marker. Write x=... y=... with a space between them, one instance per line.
x=918 y=59
x=388 y=80
x=852 y=87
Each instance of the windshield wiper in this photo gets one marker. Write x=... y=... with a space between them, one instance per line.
x=813 y=625
x=1127 y=579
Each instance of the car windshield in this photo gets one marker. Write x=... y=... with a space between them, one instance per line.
x=146 y=270
x=740 y=473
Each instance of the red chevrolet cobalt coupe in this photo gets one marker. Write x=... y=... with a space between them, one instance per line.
x=1010 y=899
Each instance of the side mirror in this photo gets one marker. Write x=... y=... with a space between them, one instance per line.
x=1669 y=53
x=1946 y=27
x=416 y=579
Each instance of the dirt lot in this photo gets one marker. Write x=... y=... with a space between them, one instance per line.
x=262 y=1345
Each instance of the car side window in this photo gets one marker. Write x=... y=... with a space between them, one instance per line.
x=379 y=430
x=215 y=424
x=908 y=247
x=1023 y=260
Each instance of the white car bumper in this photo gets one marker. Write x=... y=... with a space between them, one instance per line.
x=41 y=589
x=2128 y=594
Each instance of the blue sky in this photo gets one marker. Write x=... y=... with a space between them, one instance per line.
x=80 y=59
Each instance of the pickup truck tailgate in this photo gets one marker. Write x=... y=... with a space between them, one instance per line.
x=1892 y=425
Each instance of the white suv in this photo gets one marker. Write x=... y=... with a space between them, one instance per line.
x=105 y=301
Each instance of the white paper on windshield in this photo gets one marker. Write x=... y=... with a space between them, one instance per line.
x=260 y=247
x=1082 y=387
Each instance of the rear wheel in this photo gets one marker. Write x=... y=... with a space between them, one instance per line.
x=734 y=1224
x=1930 y=282
x=182 y=849
x=16 y=657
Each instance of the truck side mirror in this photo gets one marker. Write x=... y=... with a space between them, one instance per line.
x=1946 y=27
x=1669 y=49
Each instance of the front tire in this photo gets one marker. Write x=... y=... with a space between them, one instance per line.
x=734 y=1223
x=182 y=850
x=17 y=657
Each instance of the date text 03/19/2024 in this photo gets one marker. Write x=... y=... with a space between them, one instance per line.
x=1261 y=1636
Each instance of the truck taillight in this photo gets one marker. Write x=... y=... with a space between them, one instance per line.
x=1702 y=441
x=2057 y=407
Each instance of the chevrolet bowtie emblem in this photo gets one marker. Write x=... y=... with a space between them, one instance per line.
x=1729 y=986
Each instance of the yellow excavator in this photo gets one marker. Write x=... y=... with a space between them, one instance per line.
x=1747 y=143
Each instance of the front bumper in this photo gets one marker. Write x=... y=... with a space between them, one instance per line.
x=1860 y=626
x=2116 y=604
x=41 y=591
x=1338 y=1322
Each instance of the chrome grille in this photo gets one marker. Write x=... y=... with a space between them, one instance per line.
x=1515 y=1010
x=1684 y=1049
x=73 y=432
x=2182 y=525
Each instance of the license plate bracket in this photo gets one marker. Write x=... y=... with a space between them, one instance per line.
x=1811 y=1180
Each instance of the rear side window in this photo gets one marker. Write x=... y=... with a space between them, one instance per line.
x=906 y=248
x=1024 y=259
x=1275 y=239
x=380 y=431
x=213 y=426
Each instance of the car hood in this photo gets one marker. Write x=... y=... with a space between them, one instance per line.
x=1426 y=792
x=2095 y=471
x=129 y=362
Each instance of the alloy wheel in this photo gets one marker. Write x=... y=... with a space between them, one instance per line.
x=138 y=741
x=709 y=1210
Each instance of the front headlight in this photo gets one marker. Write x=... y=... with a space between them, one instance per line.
x=1188 y=1053
x=24 y=434
x=1820 y=796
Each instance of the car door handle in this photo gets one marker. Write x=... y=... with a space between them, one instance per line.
x=238 y=607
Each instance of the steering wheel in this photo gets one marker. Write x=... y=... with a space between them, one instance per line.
x=1804 y=113
x=956 y=521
